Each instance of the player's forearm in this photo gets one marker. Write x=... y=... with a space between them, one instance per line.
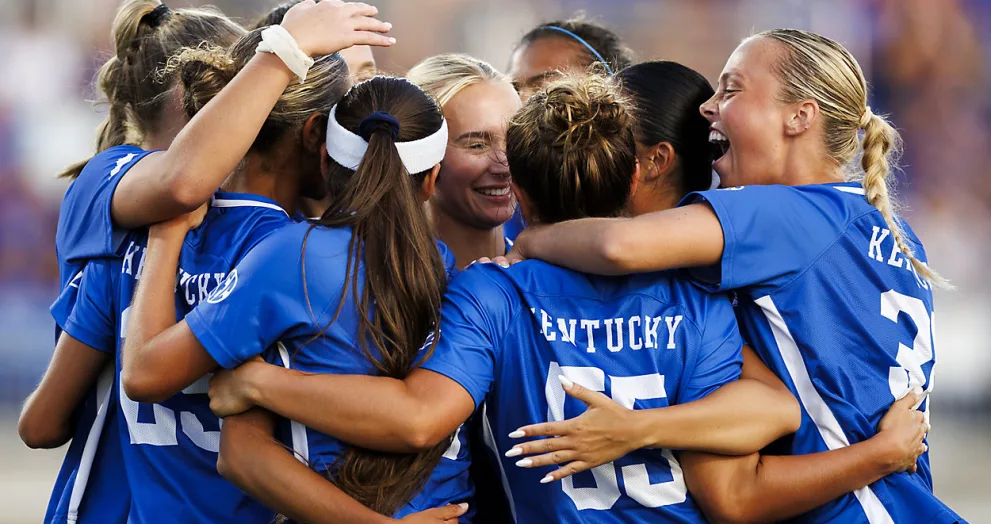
x=375 y=412
x=206 y=150
x=152 y=310
x=684 y=237
x=737 y=419
x=779 y=487
x=260 y=466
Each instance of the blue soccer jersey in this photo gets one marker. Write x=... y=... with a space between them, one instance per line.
x=268 y=302
x=834 y=308
x=91 y=485
x=648 y=341
x=170 y=449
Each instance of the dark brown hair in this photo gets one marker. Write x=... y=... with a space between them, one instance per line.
x=666 y=99
x=275 y=16
x=204 y=71
x=404 y=277
x=145 y=35
x=602 y=39
x=571 y=149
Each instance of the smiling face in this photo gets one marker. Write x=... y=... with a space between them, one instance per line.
x=473 y=187
x=748 y=121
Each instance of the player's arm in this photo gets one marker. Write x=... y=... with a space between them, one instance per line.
x=166 y=184
x=386 y=414
x=688 y=236
x=737 y=419
x=46 y=420
x=252 y=460
x=760 y=488
x=161 y=357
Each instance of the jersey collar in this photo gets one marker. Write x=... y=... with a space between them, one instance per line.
x=226 y=199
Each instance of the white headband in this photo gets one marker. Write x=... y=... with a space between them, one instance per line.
x=347 y=148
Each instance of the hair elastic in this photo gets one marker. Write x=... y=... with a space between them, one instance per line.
x=155 y=16
x=582 y=41
x=371 y=122
x=278 y=41
x=347 y=148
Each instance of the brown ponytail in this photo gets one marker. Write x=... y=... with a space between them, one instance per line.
x=145 y=34
x=404 y=276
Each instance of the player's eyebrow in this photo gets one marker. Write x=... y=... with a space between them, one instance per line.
x=481 y=135
x=535 y=79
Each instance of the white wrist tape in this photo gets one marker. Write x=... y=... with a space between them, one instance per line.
x=278 y=41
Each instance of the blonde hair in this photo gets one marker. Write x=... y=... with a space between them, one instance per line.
x=818 y=68
x=571 y=149
x=145 y=35
x=444 y=76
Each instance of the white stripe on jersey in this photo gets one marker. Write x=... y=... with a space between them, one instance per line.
x=826 y=423
x=224 y=202
x=300 y=446
x=853 y=190
x=103 y=387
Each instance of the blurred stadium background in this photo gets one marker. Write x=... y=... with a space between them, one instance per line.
x=928 y=62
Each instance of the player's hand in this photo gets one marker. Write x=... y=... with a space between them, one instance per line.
x=323 y=28
x=181 y=224
x=230 y=393
x=517 y=254
x=604 y=433
x=903 y=430
x=448 y=515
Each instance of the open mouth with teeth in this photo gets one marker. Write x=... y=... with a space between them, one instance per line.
x=493 y=191
x=720 y=141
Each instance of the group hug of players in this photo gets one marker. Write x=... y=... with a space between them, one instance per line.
x=274 y=235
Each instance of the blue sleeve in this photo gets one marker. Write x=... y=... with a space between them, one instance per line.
x=477 y=312
x=720 y=358
x=260 y=300
x=771 y=234
x=92 y=319
x=450 y=263
x=85 y=227
x=62 y=307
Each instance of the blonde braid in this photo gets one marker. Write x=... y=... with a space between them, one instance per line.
x=880 y=142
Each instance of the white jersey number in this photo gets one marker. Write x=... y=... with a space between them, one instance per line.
x=163 y=431
x=625 y=391
x=908 y=374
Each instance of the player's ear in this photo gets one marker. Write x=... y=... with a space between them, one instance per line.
x=314 y=133
x=429 y=183
x=526 y=208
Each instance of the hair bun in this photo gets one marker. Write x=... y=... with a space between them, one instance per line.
x=376 y=121
x=580 y=110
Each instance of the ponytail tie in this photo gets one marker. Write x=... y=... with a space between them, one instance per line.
x=370 y=124
x=865 y=119
x=155 y=17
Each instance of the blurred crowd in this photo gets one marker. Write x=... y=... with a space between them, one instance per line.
x=929 y=63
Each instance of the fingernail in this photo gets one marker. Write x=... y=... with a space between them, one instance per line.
x=565 y=381
x=917 y=391
x=515 y=452
x=519 y=433
x=525 y=463
x=504 y=264
x=388 y=25
x=464 y=506
x=392 y=40
x=547 y=479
